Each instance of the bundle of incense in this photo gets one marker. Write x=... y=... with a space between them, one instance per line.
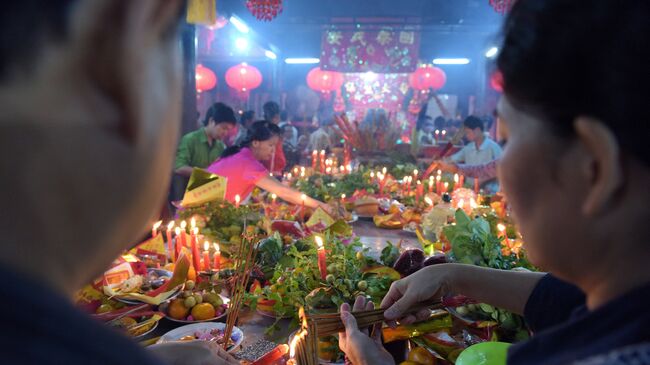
x=243 y=265
x=330 y=323
x=304 y=346
x=455 y=139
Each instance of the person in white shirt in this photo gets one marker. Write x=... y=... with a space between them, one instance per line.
x=320 y=139
x=479 y=151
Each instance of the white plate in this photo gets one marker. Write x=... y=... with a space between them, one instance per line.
x=189 y=330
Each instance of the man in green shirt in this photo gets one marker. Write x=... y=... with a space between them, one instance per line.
x=204 y=146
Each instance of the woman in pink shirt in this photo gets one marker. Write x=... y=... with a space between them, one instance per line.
x=242 y=165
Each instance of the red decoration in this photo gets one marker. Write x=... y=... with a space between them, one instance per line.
x=427 y=77
x=496 y=81
x=265 y=10
x=502 y=6
x=205 y=78
x=243 y=77
x=324 y=81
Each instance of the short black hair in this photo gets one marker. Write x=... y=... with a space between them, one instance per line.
x=247 y=116
x=271 y=110
x=284 y=115
x=473 y=122
x=24 y=25
x=220 y=113
x=553 y=65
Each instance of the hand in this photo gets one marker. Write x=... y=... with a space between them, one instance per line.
x=429 y=282
x=357 y=345
x=193 y=353
x=447 y=166
x=327 y=208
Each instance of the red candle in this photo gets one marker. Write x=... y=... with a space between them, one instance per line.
x=382 y=183
x=456 y=181
x=314 y=158
x=237 y=200
x=343 y=199
x=322 y=161
x=273 y=198
x=206 y=256
x=419 y=191
x=437 y=135
x=179 y=244
x=170 y=244
x=303 y=197
x=446 y=187
x=430 y=184
x=154 y=229
x=476 y=185
x=439 y=184
x=196 y=259
x=462 y=181
x=217 y=258
x=415 y=174
x=183 y=234
x=322 y=262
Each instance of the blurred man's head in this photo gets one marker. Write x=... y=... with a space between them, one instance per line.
x=473 y=128
x=272 y=112
x=90 y=92
x=247 y=118
x=219 y=121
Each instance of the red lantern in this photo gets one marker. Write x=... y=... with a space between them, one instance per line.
x=205 y=78
x=496 y=81
x=427 y=77
x=324 y=81
x=502 y=6
x=264 y=9
x=243 y=77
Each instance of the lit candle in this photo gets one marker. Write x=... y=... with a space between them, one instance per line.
x=206 y=256
x=444 y=133
x=456 y=181
x=381 y=183
x=179 y=244
x=349 y=168
x=295 y=170
x=217 y=257
x=154 y=229
x=195 y=249
x=322 y=263
x=303 y=197
x=328 y=171
x=273 y=198
x=170 y=244
x=183 y=234
x=437 y=134
x=439 y=172
x=415 y=173
x=372 y=175
x=501 y=228
x=384 y=170
x=289 y=176
x=419 y=191
x=438 y=184
x=314 y=159
x=322 y=161
x=302 y=173
x=409 y=185
x=446 y=186
x=431 y=184
x=462 y=181
x=237 y=200
x=343 y=198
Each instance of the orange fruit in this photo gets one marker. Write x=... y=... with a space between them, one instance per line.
x=421 y=356
x=191 y=273
x=203 y=311
x=177 y=309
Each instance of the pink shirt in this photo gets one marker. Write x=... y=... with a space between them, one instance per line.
x=243 y=171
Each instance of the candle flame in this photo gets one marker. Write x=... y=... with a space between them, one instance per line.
x=183 y=225
x=372 y=174
x=156 y=225
x=206 y=246
x=419 y=182
x=415 y=172
x=439 y=172
x=289 y=176
x=428 y=200
x=302 y=168
x=438 y=178
x=302 y=173
x=193 y=223
x=456 y=178
x=437 y=131
x=444 y=132
x=177 y=231
x=293 y=344
x=319 y=241
x=274 y=196
x=195 y=230
x=237 y=198
x=446 y=185
x=322 y=152
x=216 y=248
x=342 y=196
x=384 y=170
x=170 y=225
x=303 y=197
x=501 y=227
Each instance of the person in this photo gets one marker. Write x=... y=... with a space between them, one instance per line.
x=583 y=207
x=485 y=171
x=320 y=140
x=247 y=118
x=291 y=152
x=89 y=125
x=203 y=146
x=278 y=161
x=242 y=166
x=284 y=121
x=422 y=134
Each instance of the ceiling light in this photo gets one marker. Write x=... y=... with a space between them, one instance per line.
x=450 y=61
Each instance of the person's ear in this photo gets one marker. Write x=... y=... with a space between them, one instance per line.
x=129 y=41
x=600 y=165
x=255 y=144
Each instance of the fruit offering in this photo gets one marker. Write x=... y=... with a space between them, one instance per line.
x=195 y=304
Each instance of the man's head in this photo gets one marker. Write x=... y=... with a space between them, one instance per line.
x=272 y=112
x=473 y=128
x=247 y=118
x=219 y=121
x=91 y=162
x=287 y=132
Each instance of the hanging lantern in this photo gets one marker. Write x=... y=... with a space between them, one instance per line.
x=496 y=81
x=427 y=77
x=265 y=10
x=324 y=81
x=243 y=77
x=205 y=78
x=502 y=6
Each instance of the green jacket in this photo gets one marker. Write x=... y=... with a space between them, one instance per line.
x=194 y=150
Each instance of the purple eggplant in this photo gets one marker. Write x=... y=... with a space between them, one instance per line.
x=438 y=258
x=409 y=262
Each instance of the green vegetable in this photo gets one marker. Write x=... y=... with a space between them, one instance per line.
x=389 y=254
x=269 y=253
